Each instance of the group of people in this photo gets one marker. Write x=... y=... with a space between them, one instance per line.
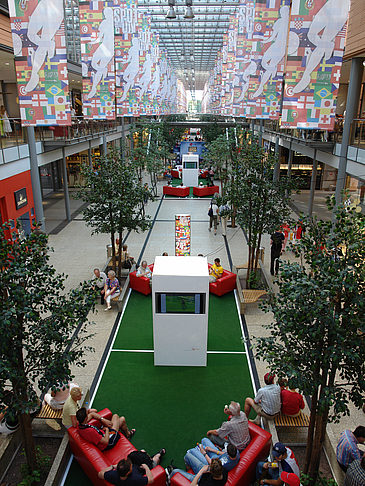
x=220 y=213
x=219 y=452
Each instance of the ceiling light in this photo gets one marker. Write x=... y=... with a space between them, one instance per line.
x=189 y=14
x=171 y=13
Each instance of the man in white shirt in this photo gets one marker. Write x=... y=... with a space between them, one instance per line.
x=99 y=283
x=267 y=402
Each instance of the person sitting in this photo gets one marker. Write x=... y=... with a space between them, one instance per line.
x=291 y=402
x=215 y=271
x=204 y=453
x=267 y=402
x=213 y=475
x=236 y=429
x=355 y=475
x=144 y=270
x=107 y=435
x=347 y=448
x=71 y=406
x=285 y=461
x=290 y=479
x=132 y=472
x=99 y=283
x=165 y=253
x=112 y=288
x=127 y=259
x=57 y=397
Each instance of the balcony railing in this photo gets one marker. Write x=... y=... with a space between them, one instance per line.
x=13 y=145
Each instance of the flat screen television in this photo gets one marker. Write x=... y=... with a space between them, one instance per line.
x=190 y=165
x=180 y=303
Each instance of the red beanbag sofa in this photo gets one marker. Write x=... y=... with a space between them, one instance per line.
x=176 y=191
x=141 y=284
x=205 y=191
x=223 y=285
x=92 y=460
x=244 y=473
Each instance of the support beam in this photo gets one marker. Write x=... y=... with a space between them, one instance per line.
x=89 y=155
x=36 y=183
x=353 y=96
x=65 y=186
x=290 y=161
x=313 y=184
x=260 y=132
x=104 y=147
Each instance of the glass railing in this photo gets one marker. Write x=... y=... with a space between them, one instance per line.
x=357 y=137
x=15 y=136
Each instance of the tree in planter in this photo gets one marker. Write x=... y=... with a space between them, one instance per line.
x=42 y=328
x=213 y=130
x=115 y=198
x=221 y=153
x=317 y=337
x=261 y=205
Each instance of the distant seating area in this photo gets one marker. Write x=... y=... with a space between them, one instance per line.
x=205 y=191
x=176 y=191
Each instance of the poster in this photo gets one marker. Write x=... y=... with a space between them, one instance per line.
x=182 y=234
x=39 y=43
x=316 y=45
x=97 y=58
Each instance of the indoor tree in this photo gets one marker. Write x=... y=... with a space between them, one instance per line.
x=261 y=205
x=42 y=328
x=115 y=199
x=317 y=337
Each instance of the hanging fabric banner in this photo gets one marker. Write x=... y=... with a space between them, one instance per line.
x=269 y=47
x=39 y=43
x=144 y=77
x=316 y=45
x=97 y=58
x=245 y=66
x=181 y=97
x=231 y=64
x=164 y=81
x=127 y=22
x=153 y=92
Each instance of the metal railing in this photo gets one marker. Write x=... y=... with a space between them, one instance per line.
x=80 y=129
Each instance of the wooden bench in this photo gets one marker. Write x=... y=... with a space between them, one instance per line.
x=286 y=421
x=49 y=413
x=252 y=296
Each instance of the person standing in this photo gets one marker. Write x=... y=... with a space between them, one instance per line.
x=277 y=241
x=224 y=212
x=213 y=216
x=5 y=121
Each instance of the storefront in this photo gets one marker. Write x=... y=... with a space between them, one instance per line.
x=73 y=164
x=16 y=203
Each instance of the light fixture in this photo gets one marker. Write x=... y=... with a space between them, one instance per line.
x=171 y=13
x=189 y=14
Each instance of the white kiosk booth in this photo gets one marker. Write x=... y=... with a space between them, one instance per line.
x=180 y=302
x=190 y=170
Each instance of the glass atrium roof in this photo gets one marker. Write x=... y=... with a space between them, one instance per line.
x=192 y=44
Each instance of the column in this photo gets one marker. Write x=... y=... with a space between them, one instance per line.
x=89 y=155
x=253 y=128
x=276 y=173
x=260 y=132
x=352 y=103
x=65 y=186
x=36 y=183
x=313 y=183
x=104 y=147
x=290 y=161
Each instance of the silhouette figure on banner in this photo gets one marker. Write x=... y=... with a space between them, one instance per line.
x=132 y=69
x=105 y=52
x=146 y=76
x=325 y=26
x=43 y=24
x=277 y=50
x=243 y=80
x=155 y=85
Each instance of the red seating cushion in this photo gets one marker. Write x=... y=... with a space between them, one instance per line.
x=92 y=460
x=223 y=285
x=175 y=173
x=205 y=191
x=141 y=284
x=176 y=191
x=244 y=473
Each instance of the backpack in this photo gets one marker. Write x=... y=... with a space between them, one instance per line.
x=210 y=212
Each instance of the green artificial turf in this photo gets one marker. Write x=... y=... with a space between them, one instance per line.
x=171 y=407
x=177 y=182
x=224 y=332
